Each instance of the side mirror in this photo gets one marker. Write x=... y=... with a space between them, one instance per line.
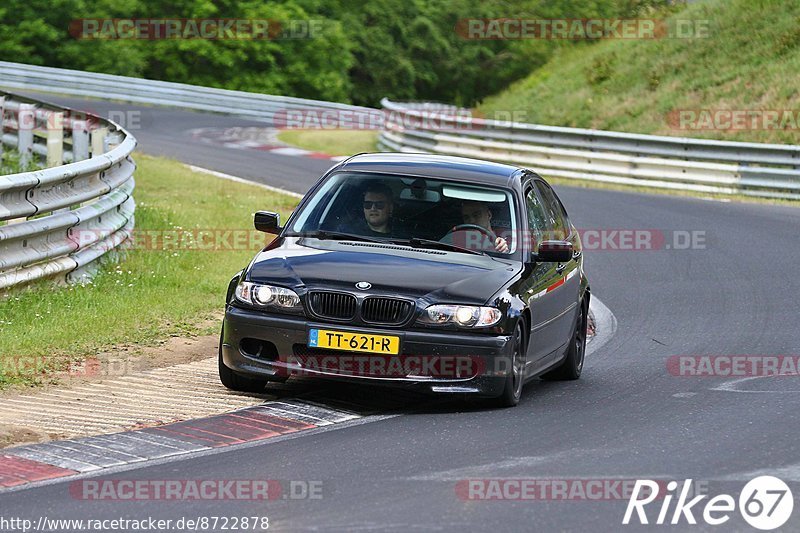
x=554 y=252
x=268 y=222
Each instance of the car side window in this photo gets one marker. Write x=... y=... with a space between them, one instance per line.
x=536 y=218
x=558 y=227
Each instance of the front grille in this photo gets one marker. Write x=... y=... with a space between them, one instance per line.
x=385 y=310
x=334 y=305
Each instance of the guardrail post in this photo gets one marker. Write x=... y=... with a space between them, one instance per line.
x=55 y=139
x=2 y=114
x=26 y=122
x=99 y=141
x=80 y=140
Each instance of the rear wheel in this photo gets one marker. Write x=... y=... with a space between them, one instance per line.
x=516 y=377
x=572 y=365
x=234 y=381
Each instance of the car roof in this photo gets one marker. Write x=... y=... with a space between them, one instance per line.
x=433 y=166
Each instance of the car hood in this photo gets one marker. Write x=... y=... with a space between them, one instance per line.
x=437 y=276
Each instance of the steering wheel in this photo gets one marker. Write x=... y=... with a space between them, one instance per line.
x=463 y=227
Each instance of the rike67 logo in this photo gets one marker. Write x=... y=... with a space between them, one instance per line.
x=766 y=503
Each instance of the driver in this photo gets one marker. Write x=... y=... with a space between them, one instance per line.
x=378 y=206
x=479 y=214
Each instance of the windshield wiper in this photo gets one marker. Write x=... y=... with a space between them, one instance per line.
x=416 y=242
x=327 y=235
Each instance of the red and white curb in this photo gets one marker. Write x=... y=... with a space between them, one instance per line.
x=22 y=465
x=261 y=139
x=118 y=403
x=602 y=322
x=16 y=471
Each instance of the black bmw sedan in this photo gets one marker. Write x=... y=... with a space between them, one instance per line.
x=452 y=274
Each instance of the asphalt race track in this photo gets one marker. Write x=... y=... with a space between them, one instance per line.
x=733 y=293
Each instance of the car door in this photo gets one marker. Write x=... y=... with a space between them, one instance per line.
x=566 y=287
x=537 y=287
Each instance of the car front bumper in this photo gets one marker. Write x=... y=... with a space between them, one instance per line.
x=275 y=347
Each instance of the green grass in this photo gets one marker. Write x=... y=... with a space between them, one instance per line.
x=750 y=61
x=149 y=295
x=11 y=164
x=332 y=142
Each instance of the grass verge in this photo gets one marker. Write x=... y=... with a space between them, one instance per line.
x=332 y=142
x=167 y=284
x=10 y=162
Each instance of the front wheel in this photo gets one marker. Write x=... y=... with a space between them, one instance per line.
x=572 y=365
x=516 y=377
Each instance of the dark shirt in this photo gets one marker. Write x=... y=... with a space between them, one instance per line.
x=362 y=228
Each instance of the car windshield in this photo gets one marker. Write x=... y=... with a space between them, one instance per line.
x=414 y=211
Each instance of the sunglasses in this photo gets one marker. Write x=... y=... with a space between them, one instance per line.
x=378 y=205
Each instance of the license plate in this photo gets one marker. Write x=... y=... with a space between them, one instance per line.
x=354 y=342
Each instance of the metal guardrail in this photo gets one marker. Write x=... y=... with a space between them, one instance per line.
x=60 y=221
x=255 y=106
x=50 y=220
x=41 y=212
x=709 y=166
x=753 y=169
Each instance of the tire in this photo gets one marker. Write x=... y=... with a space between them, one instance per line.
x=512 y=391
x=572 y=366
x=233 y=381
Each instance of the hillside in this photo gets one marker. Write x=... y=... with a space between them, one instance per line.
x=743 y=74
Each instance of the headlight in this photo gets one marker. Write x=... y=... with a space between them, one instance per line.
x=268 y=296
x=462 y=315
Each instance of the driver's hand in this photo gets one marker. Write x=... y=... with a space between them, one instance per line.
x=501 y=245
